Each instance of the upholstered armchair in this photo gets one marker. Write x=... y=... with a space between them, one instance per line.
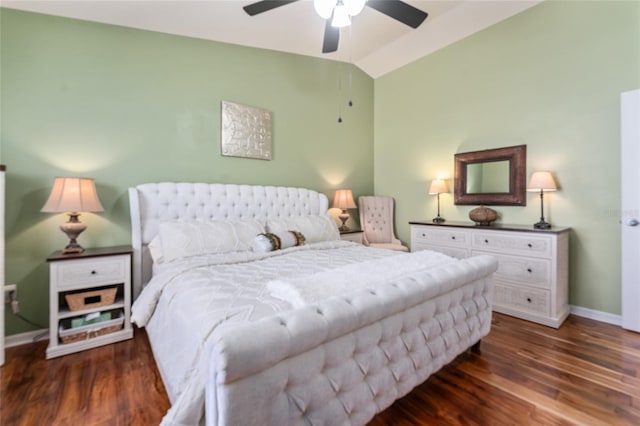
x=376 y=221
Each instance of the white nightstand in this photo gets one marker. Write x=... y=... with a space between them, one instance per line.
x=82 y=284
x=354 y=236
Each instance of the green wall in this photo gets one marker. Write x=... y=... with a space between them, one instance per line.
x=550 y=78
x=126 y=107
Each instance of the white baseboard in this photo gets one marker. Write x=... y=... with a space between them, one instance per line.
x=24 y=338
x=596 y=315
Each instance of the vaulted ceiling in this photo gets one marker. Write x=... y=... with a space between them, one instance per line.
x=374 y=42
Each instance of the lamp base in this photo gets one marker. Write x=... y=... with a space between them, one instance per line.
x=73 y=227
x=72 y=248
x=542 y=225
x=344 y=216
x=438 y=219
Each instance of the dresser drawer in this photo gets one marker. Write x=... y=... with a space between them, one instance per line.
x=457 y=252
x=532 y=271
x=89 y=272
x=442 y=237
x=526 y=245
x=519 y=298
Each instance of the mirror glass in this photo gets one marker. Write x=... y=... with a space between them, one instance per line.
x=488 y=177
x=491 y=177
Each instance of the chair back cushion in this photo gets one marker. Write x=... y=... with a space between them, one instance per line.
x=377 y=218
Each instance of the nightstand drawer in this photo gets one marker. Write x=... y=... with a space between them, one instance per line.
x=527 y=270
x=516 y=244
x=442 y=237
x=524 y=299
x=353 y=236
x=88 y=272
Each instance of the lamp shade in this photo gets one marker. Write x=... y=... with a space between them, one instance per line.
x=73 y=195
x=541 y=181
x=438 y=186
x=344 y=199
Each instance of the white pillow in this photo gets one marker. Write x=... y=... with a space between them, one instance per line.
x=186 y=239
x=264 y=243
x=155 y=249
x=314 y=228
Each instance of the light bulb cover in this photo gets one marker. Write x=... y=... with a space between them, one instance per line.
x=324 y=7
x=340 y=16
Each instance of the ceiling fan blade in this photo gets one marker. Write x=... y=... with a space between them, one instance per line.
x=331 y=38
x=265 y=6
x=399 y=11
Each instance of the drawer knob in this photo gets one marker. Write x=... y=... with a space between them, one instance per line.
x=528 y=299
x=453 y=238
x=529 y=245
x=93 y=272
x=529 y=270
x=424 y=235
x=486 y=241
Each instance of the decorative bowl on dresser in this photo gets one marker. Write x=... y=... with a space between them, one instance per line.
x=483 y=215
x=532 y=280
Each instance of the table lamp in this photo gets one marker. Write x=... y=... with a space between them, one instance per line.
x=542 y=181
x=73 y=196
x=437 y=187
x=344 y=200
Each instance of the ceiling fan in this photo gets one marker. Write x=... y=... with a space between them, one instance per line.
x=341 y=11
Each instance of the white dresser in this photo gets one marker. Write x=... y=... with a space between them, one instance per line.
x=532 y=280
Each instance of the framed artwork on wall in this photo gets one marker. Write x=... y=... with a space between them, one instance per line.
x=246 y=131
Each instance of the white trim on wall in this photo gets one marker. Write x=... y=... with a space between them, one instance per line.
x=596 y=315
x=24 y=338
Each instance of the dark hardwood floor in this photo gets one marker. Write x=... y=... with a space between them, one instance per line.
x=585 y=373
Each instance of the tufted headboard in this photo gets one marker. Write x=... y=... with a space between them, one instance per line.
x=154 y=202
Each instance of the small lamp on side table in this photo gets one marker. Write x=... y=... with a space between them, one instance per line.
x=542 y=181
x=344 y=200
x=72 y=196
x=437 y=187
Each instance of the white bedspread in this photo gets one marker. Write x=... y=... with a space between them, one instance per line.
x=182 y=305
x=370 y=274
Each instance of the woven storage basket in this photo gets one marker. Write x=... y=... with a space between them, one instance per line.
x=71 y=335
x=91 y=299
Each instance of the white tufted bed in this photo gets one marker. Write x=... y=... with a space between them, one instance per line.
x=364 y=328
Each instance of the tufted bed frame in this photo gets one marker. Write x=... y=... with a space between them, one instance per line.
x=154 y=202
x=371 y=348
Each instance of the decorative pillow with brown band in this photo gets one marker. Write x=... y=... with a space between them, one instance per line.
x=266 y=242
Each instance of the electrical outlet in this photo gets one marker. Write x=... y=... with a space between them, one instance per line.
x=10 y=293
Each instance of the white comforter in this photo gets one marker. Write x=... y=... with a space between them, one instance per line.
x=183 y=304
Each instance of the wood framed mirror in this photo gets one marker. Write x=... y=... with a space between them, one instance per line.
x=491 y=177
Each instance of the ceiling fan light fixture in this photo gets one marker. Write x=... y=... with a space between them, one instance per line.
x=340 y=16
x=324 y=7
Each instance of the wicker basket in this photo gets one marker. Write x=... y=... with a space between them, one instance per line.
x=71 y=335
x=91 y=299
